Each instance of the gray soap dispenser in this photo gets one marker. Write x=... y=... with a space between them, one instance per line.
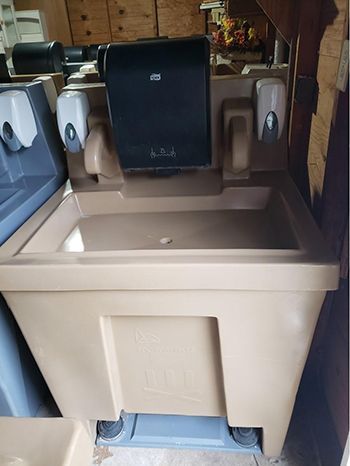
x=270 y=109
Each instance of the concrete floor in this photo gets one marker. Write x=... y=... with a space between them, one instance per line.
x=299 y=450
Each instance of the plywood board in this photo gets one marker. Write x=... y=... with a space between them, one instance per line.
x=334 y=14
x=321 y=122
x=180 y=19
x=89 y=21
x=132 y=19
x=333 y=20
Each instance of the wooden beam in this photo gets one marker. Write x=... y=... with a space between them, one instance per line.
x=283 y=16
x=305 y=49
x=335 y=199
x=335 y=29
x=243 y=8
x=270 y=40
x=335 y=207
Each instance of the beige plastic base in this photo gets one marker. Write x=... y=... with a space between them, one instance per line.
x=44 y=442
x=218 y=321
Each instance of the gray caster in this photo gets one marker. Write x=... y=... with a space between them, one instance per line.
x=110 y=430
x=246 y=437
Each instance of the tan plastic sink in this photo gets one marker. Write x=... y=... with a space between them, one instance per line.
x=188 y=304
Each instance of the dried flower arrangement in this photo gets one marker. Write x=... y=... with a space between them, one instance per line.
x=236 y=34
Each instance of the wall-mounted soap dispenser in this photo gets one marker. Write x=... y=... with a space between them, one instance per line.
x=270 y=109
x=17 y=123
x=72 y=112
x=88 y=132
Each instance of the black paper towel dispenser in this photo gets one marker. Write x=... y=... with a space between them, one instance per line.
x=158 y=96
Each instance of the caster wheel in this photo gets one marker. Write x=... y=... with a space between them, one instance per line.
x=246 y=437
x=110 y=430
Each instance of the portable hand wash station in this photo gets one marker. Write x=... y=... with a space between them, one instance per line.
x=32 y=168
x=181 y=278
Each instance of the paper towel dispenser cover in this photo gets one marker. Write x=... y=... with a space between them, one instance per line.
x=158 y=96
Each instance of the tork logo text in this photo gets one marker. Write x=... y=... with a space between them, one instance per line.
x=155 y=77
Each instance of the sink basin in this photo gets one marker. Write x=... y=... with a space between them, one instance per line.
x=238 y=218
x=172 y=304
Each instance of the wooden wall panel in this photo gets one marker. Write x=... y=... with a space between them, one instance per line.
x=243 y=8
x=333 y=20
x=180 y=18
x=89 y=21
x=321 y=122
x=132 y=19
x=334 y=13
x=335 y=227
x=102 y=21
x=56 y=16
x=283 y=15
x=332 y=335
x=303 y=63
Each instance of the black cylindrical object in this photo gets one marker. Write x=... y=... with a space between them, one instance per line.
x=76 y=54
x=38 y=57
x=4 y=72
x=92 y=51
x=101 y=51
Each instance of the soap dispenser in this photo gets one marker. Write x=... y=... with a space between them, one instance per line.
x=270 y=109
x=17 y=123
x=72 y=112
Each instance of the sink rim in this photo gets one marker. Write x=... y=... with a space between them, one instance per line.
x=312 y=267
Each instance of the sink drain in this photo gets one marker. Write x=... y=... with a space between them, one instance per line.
x=166 y=240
